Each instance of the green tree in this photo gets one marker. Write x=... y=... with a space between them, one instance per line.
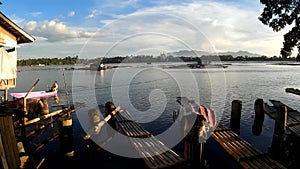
x=277 y=14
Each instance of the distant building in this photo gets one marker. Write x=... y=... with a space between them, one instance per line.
x=11 y=35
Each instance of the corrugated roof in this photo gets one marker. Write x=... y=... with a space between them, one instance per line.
x=21 y=35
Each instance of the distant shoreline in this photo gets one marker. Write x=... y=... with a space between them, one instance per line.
x=164 y=65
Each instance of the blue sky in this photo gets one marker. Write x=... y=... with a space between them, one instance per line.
x=94 y=28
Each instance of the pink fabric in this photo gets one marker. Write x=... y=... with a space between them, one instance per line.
x=208 y=114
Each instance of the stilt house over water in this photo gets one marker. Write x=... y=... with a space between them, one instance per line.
x=11 y=35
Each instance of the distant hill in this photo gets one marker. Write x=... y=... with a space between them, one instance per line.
x=191 y=53
x=241 y=53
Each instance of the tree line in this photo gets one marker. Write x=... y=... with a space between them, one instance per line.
x=48 y=61
x=145 y=59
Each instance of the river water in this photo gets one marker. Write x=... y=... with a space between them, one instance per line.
x=149 y=92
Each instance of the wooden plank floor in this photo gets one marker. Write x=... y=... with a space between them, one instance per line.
x=130 y=127
x=293 y=118
x=154 y=153
x=244 y=153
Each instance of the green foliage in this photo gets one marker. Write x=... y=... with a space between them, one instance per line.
x=146 y=59
x=47 y=61
x=277 y=14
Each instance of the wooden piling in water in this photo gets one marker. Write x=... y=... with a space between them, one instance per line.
x=235 y=118
x=259 y=116
x=281 y=120
x=193 y=149
x=201 y=138
x=23 y=157
x=94 y=117
x=279 y=129
x=65 y=127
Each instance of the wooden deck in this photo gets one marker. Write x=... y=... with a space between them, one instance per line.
x=154 y=153
x=293 y=118
x=130 y=127
x=244 y=153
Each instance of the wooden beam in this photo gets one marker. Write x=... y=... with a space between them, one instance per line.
x=102 y=122
x=43 y=117
x=32 y=87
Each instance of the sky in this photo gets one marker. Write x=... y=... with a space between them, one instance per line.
x=106 y=28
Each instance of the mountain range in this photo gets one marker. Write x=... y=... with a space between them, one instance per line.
x=191 y=53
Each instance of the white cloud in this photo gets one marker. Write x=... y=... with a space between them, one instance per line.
x=42 y=48
x=31 y=25
x=71 y=14
x=36 y=14
x=199 y=26
x=55 y=31
x=131 y=1
x=93 y=14
x=203 y=25
x=206 y=26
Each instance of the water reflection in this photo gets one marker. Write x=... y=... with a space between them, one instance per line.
x=101 y=73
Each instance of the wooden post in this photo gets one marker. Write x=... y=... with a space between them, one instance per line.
x=278 y=136
x=65 y=127
x=24 y=159
x=3 y=160
x=94 y=117
x=24 y=119
x=280 y=121
x=8 y=145
x=259 y=117
x=102 y=122
x=202 y=136
x=193 y=149
x=235 y=118
x=5 y=94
